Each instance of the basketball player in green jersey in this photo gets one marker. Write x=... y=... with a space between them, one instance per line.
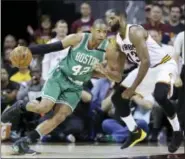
x=62 y=90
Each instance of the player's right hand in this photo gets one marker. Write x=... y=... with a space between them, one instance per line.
x=178 y=82
x=99 y=67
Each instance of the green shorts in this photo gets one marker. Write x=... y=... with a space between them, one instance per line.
x=60 y=89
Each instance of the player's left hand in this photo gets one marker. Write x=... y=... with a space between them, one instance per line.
x=128 y=93
x=178 y=82
x=99 y=67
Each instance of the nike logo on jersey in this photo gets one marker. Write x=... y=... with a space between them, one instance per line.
x=128 y=47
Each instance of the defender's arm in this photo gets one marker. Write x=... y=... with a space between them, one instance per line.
x=138 y=38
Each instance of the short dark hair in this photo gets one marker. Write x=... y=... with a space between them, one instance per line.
x=99 y=21
x=118 y=12
x=176 y=6
x=85 y=3
x=60 y=21
x=158 y=31
x=156 y=5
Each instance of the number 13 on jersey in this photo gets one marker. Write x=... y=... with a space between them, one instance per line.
x=80 y=70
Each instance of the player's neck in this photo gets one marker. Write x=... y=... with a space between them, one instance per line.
x=92 y=44
x=122 y=30
x=85 y=19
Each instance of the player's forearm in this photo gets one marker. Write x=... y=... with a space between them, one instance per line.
x=141 y=74
x=97 y=74
x=46 y=48
x=112 y=76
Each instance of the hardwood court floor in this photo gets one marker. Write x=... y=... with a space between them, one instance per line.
x=94 y=151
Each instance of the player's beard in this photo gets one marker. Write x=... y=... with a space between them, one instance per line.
x=115 y=27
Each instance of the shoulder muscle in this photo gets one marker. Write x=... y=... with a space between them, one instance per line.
x=72 y=40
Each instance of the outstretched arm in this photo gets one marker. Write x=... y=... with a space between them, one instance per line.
x=138 y=38
x=70 y=40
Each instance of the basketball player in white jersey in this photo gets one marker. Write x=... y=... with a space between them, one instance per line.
x=138 y=47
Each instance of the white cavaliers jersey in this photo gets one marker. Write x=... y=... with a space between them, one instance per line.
x=156 y=53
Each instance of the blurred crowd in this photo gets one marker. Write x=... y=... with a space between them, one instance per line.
x=93 y=119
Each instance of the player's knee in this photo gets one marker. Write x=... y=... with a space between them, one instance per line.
x=161 y=92
x=45 y=106
x=63 y=112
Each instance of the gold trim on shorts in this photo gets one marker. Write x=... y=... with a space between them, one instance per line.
x=164 y=60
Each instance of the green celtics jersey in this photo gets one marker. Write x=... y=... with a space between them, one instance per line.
x=78 y=64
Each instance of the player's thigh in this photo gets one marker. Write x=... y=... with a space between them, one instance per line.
x=168 y=75
x=61 y=111
x=70 y=98
x=51 y=89
x=167 y=72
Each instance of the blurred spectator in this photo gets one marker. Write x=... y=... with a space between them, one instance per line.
x=174 y=19
x=147 y=12
x=9 y=90
x=179 y=49
x=22 y=42
x=2 y=63
x=22 y=75
x=36 y=63
x=116 y=130
x=85 y=22
x=31 y=90
x=51 y=59
x=9 y=42
x=183 y=14
x=155 y=23
x=99 y=91
x=166 y=9
x=180 y=54
x=7 y=63
x=156 y=35
x=43 y=34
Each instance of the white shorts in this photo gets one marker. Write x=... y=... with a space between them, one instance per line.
x=165 y=73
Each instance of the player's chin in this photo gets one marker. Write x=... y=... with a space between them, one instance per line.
x=99 y=40
x=115 y=28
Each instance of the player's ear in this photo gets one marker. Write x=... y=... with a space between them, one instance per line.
x=92 y=29
x=121 y=18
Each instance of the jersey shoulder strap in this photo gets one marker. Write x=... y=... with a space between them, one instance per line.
x=83 y=41
x=103 y=45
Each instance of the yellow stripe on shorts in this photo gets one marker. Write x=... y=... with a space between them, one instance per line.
x=164 y=60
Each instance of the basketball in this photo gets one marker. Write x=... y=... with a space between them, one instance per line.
x=21 y=57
